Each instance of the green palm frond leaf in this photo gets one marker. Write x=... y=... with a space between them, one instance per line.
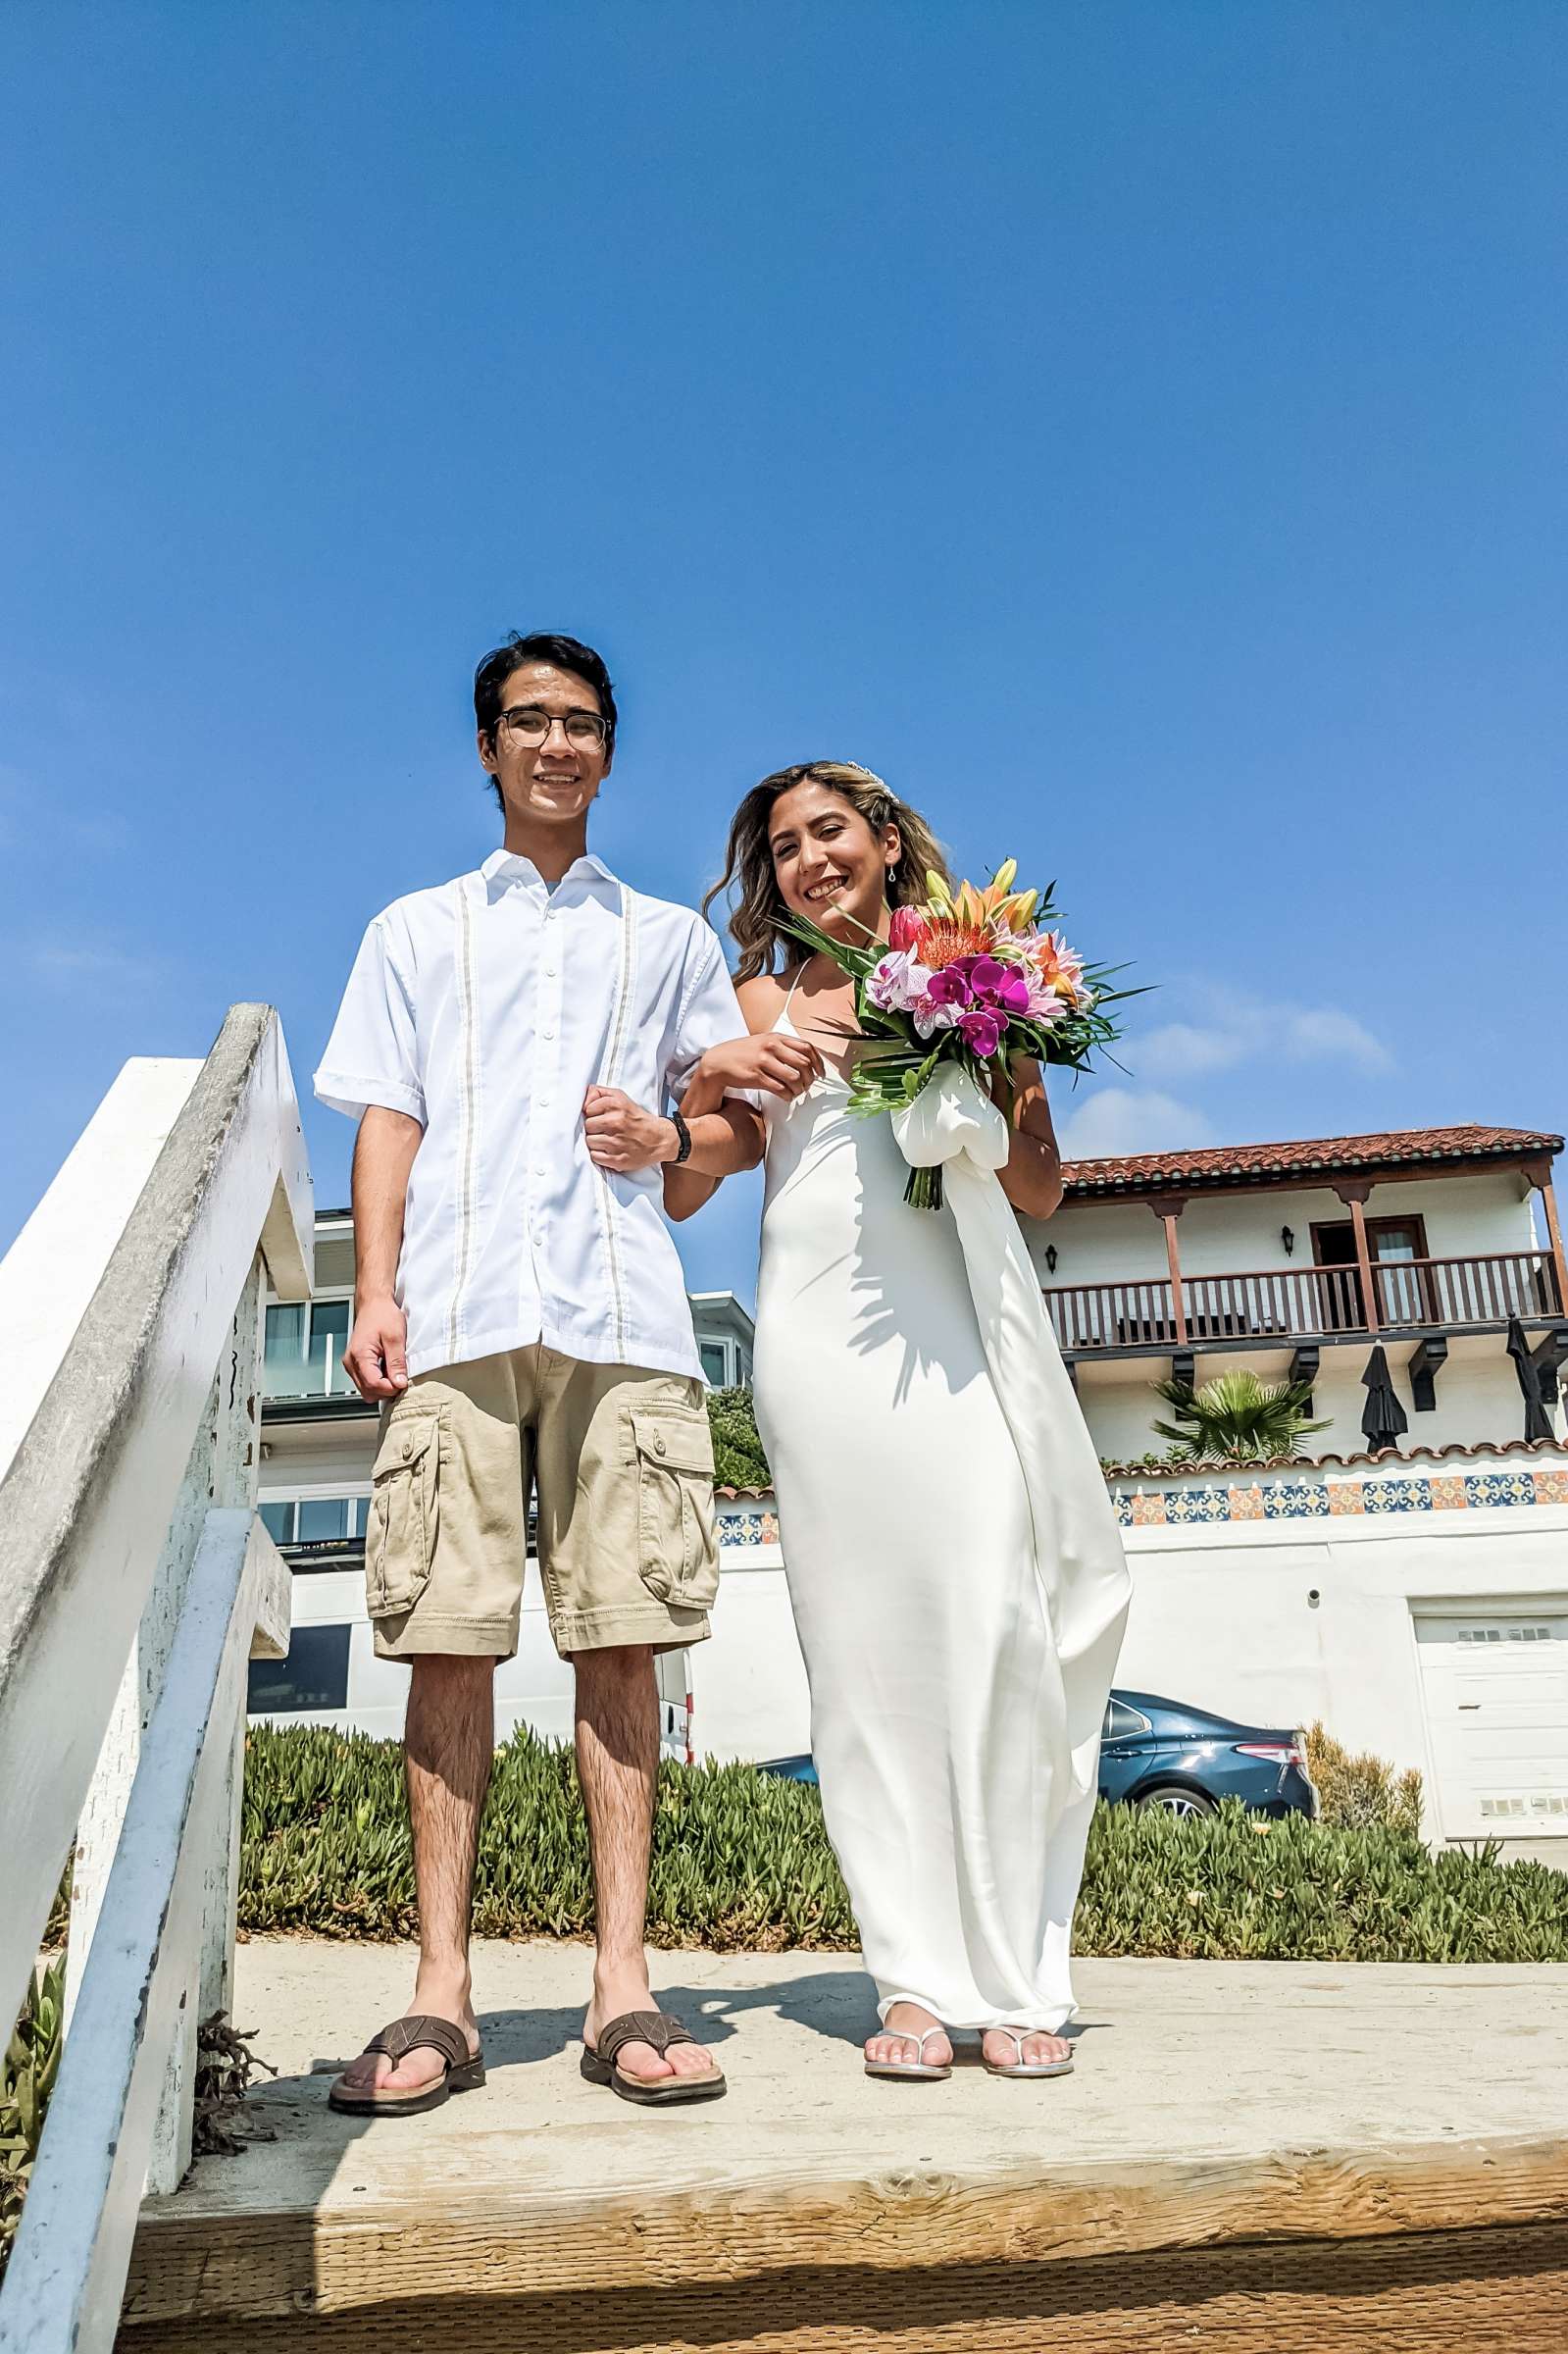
x=1236 y=1418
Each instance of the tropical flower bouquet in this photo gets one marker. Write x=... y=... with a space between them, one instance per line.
x=968 y=978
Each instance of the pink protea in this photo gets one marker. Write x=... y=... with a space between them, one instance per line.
x=904 y=930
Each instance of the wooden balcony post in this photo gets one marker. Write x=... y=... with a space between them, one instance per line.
x=1168 y=1212
x=1355 y=1193
x=1539 y=1173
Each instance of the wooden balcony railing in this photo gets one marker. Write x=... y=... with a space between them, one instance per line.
x=1307 y=1303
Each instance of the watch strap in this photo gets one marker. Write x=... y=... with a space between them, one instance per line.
x=683 y=1138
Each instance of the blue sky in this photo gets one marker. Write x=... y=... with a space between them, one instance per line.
x=1136 y=431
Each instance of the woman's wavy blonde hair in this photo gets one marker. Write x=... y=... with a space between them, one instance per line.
x=756 y=924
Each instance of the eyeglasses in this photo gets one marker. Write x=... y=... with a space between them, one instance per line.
x=528 y=724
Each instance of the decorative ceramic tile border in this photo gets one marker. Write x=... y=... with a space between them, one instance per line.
x=1324 y=1499
x=742 y=1524
x=1306 y=1498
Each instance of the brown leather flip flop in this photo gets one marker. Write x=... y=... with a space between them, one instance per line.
x=658 y=2029
x=464 y=2071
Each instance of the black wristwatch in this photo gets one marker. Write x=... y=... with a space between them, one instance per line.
x=682 y=1140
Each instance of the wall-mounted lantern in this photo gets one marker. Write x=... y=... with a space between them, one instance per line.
x=1288 y=1239
x=1051 y=1257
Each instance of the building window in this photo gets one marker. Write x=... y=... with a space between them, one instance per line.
x=294 y=1521
x=1398 y=1249
x=315 y=1674
x=715 y=1356
x=304 y=1349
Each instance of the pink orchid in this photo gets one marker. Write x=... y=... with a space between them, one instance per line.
x=930 y=1017
x=897 y=982
x=982 y=1032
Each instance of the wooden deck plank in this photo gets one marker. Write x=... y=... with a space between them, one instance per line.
x=1214 y=2106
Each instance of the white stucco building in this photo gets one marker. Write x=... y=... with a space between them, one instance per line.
x=1416 y=1600
x=1298 y=1258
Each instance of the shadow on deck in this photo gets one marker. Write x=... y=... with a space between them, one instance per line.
x=1282 y=2157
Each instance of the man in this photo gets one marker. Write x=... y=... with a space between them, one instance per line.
x=509 y=1043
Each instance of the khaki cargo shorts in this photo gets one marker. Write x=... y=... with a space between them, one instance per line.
x=623 y=1463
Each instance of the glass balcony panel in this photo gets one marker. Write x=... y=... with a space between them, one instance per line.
x=324 y=1518
x=285 y=1372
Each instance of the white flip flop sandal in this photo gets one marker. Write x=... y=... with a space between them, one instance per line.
x=919 y=2071
x=1023 y=2067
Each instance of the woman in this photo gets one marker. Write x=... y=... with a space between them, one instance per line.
x=948 y=1719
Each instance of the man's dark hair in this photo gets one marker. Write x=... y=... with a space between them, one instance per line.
x=540 y=645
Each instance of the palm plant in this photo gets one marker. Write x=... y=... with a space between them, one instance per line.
x=1237 y=1418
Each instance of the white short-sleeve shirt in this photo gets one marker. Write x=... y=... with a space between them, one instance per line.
x=485 y=1008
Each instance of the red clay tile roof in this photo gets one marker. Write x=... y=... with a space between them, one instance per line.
x=1412 y=1458
x=1228 y=1166
x=1238 y=1473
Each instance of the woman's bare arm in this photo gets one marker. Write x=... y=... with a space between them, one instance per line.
x=760 y=1061
x=1033 y=1177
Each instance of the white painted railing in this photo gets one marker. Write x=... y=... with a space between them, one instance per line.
x=135 y=1580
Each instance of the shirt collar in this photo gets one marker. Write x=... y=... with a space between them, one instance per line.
x=504 y=868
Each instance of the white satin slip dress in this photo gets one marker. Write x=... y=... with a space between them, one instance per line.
x=937 y=1701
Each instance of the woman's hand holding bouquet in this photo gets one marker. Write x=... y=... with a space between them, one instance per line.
x=971 y=977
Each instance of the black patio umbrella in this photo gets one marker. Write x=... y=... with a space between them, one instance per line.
x=1538 y=1423
x=1384 y=1419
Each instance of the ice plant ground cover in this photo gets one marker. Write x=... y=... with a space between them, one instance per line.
x=968 y=978
x=740 y=1859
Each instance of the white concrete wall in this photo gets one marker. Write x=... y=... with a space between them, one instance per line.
x=748 y=1680
x=1225 y=1617
x=1276 y=1623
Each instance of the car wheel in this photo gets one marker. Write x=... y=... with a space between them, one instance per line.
x=1177 y=1799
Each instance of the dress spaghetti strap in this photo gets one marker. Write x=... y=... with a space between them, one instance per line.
x=783 y=1014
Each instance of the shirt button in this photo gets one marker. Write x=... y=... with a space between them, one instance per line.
x=547 y=1033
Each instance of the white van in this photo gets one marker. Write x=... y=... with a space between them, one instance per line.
x=332 y=1675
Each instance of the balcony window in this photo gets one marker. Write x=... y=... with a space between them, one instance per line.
x=295 y=1520
x=304 y=1349
x=320 y=1518
x=1405 y=1293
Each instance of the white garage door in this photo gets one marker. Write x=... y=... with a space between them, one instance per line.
x=1496 y=1700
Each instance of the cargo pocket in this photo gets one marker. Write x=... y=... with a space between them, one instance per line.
x=677 y=1544
x=400 y=1534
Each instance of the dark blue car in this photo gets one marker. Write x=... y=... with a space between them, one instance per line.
x=1161 y=1752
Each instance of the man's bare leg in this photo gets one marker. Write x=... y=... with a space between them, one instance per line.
x=617 y=1762
x=448 y=1748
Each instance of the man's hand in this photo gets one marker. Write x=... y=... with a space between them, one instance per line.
x=376 y=1359
x=766 y=1059
x=623 y=1135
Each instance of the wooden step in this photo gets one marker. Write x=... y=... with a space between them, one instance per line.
x=1266 y=2156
